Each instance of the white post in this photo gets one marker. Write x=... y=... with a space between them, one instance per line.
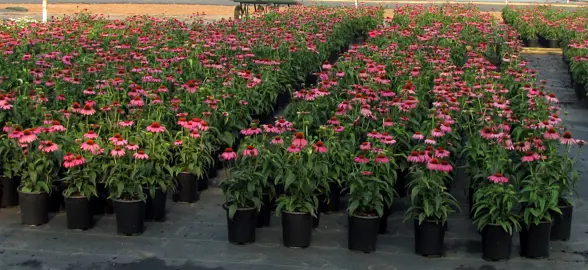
x=44 y=11
x=356 y=3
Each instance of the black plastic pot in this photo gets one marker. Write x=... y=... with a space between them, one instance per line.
x=496 y=243
x=400 y=184
x=212 y=172
x=531 y=42
x=580 y=90
x=552 y=43
x=428 y=238
x=316 y=220
x=33 y=207
x=9 y=194
x=203 y=183
x=242 y=226
x=362 y=233
x=535 y=240
x=187 y=188
x=155 y=206
x=56 y=199
x=334 y=203
x=383 y=226
x=296 y=229
x=284 y=98
x=78 y=210
x=562 y=224
x=98 y=204
x=265 y=212
x=130 y=216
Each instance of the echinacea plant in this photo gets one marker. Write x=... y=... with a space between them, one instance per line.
x=495 y=204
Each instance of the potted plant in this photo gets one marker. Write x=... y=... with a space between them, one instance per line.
x=430 y=204
x=80 y=180
x=126 y=189
x=370 y=193
x=39 y=169
x=9 y=179
x=192 y=158
x=303 y=170
x=496 y=219
x=538 y=198
x=243 y=194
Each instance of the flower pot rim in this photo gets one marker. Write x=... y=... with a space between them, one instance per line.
x=226 y=207
x=431 y=221
x=365 y=217
x=19 y=189
x=127 y=201
x=74 y=197
x=295 y=213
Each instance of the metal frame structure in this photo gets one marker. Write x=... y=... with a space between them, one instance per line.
x=244 y=7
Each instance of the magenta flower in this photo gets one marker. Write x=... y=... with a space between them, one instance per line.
x=414 y=157
x=178 y=142
x=90 y=135
x=498 y=178
x=229 y=154
x=194 y=134
x=366 y=146
x=551 y=134
x=28 y=136
x=141 y=155
x=250 y=151
x=48 y=146
x=437 y=133
x=361 y=159
x=381 y=158
x=132 y=147
x=293 y=149
x=299 y=140
x=126 y=123
x=90 y=146
x=319 y=147
x=418 y=136
x=155 y=127
x=530 y=157
x=251 y=131
x=87 y=110
x=277 y=140
x=430 y=141
x=117 y=152
x=567 y=138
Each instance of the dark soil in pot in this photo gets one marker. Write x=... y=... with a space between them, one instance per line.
x=296 y=229
x=265 y=212
x=429 y=237
x=362 y=233
x=562 y=223
x=187 y=190
x=9 y=194
x=155 y=206
x=496 y=243
x=130 y=216
x=242 y=226
x=33 y=207
x=79 y=213
x=535 y=240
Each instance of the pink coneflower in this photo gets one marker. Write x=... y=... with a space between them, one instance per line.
x=551 y=134
x=430 y=141
x=437 y=133
x=28 y=136
x=567 y=138
x=446 y=127
x=117 y=139
x=126 y=123
x=434 y=165
x=299 y=140
x=445 y=166
x=251 y=131
x=250 y=151
x=388 y=122
x=90 y=135
x=68 y=160
x=387 y=139
x=418 y=136
x=79 y=160
x=361 y=159
x=319 y=147
x=56 y=127
x=117 y=152
x=339 y=129
x=87 y=110
x=141 y=155
x=132 y=147
x=155 y=127
x=228 y=154
x=16 y=133
x=414 y=157
x=366 y=146
x=523 y=146
x=498 y=178
x=277 y=140
x=178 y=142
x=530 y=157
x=271 y=129
x=48 y=146
x=293 y=149
x=374 y=134
x=194 y=134
x=366 y=173
x=441 y=153
x=137 y=102
x=333 y=121
x=90 y=145
x=281 y=123
x=381 y=158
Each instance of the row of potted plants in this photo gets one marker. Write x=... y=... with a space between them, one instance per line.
x=129 y=109
x=567 y=30
x=405 y=108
